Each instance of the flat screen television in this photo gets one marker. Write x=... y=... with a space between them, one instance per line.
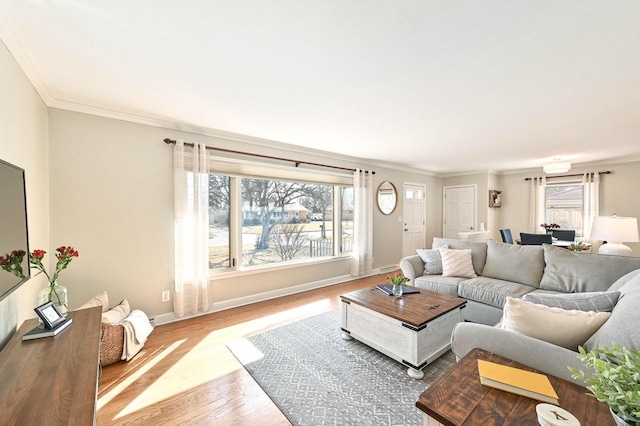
x=14 y=235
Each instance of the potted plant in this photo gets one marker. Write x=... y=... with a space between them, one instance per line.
x=397 y=280
x=614 y=379
x=549 y=227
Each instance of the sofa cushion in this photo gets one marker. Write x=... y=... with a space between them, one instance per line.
x=439 y=284
x=432 y=261
x=623 y=280
x=491 y=291
x=478 y=250
x=622 y=327
x=597 y=301
x=457 y=263
x=571 y=272
x=566 y=328
x=512 y=262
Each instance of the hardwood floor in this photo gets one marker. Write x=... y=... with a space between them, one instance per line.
x=185 y=374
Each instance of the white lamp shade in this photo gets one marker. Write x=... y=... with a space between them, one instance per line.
x=615 y=229
x=557 y=167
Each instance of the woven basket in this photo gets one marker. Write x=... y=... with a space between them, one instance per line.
x=112 y=344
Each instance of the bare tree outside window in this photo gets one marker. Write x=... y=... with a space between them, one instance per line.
x=288 y=240
x=275 y=221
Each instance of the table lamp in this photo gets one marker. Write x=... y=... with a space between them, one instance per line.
x=615 y=230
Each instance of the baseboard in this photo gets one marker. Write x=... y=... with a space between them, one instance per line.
x=268 y=295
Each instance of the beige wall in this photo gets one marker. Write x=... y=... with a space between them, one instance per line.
x=23 y=120
x=112 y=198
x=618 y=194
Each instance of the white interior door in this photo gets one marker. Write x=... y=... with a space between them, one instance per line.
x=459 y=210
x=414 y=207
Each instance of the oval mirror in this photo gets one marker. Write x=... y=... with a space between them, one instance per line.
x=387 y=197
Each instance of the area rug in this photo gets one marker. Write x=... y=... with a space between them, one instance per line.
x=317 y=378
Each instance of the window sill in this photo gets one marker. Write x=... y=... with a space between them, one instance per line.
x=272 y=268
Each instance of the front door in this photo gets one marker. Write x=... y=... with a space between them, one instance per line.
x=414 y=218
x=459 y=210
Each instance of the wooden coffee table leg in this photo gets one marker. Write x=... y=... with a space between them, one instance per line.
x=415 y=374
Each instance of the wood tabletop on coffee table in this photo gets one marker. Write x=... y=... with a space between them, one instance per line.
x=458 y=398
x=415 y=309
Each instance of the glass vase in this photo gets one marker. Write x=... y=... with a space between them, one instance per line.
x=397 y=290
x=57 y=294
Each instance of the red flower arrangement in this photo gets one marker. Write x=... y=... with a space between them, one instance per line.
x=64 y=255
x=12 y=262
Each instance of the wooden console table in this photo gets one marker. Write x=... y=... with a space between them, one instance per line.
x=458 y=398
x=53 y=380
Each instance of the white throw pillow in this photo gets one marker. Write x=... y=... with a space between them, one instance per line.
x=117 y=314
x=457 y=263
x=566 y=328
x=101 y=299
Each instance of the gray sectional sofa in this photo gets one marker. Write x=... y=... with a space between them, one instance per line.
x=506 y=270
x=514 y=270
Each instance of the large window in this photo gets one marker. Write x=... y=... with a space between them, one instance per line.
x=564 y=206
x=254 y=222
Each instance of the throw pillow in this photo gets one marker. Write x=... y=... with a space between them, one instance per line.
x=432 y=260
x=117 y=314
x=101 y=299
x=566 y=328
x=596 y=301
x=457 y=263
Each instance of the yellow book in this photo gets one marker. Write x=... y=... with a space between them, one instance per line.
x=515 y=380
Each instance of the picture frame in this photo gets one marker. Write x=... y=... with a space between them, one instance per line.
x=495 y=199
x=50 y=315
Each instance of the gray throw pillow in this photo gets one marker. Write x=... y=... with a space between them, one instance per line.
x=432 y=261
x=597 y=301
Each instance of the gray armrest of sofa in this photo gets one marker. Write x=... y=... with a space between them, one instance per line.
x=412 y=267
x=542 y=356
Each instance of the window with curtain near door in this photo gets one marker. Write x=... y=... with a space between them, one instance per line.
x=570 y=203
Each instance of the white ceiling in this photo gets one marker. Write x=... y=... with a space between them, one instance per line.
x=444 y=86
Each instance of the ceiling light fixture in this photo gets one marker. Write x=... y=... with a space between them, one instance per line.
x=557 y=167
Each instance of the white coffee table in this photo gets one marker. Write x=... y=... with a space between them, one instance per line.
x=414 y=330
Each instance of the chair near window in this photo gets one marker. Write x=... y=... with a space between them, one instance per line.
x=506 y=236
x=564 y=234
x=535 y=239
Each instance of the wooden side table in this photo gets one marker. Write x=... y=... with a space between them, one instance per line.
x=458 y=398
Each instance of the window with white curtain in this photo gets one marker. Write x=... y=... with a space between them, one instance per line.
x=256 y=221
x=564 y=205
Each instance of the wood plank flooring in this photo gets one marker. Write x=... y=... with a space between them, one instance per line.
x=185 y=375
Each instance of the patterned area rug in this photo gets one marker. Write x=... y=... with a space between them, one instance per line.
x=317 y=378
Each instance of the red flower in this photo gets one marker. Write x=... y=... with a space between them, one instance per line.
x=64 y=255
x=38 y=254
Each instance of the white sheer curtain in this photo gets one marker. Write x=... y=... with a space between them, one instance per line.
x=537 y=193
x=191 y=204
x=362 y=261
x=591 y=202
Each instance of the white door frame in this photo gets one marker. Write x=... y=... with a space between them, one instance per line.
x=475 y=205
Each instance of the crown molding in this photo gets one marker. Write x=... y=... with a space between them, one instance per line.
x=15 y=46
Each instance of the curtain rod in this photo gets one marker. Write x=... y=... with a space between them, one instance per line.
x=296 y=162
x=608 y=172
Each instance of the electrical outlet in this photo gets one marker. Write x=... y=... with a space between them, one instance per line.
x=166 y=296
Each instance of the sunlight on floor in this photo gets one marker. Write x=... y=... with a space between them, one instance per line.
x=246 y=351
x=208 y=360
x=135 y=376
